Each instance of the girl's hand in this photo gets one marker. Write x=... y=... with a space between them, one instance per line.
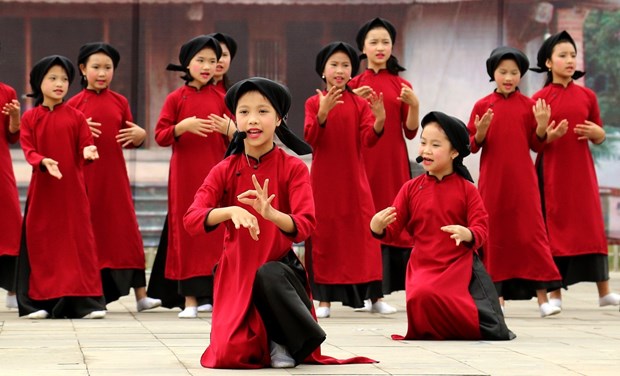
x=259 y=199
x=554 y=132
x=459 y=233
x=94 y=127
x=243 y=218
x=133 y=135
x=408 y=96
x=90 y=153
x=52 y=167
x=382 y=219
x=376 y=106
x=482 y=126
x=363 y=91
x=222 y=124
x=197 y=126
x=590 y=131
x=328 y=101
x=542 y=113
x=12 y=109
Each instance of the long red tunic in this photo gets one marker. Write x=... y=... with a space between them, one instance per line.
x=238 y=335
x=572 y=204
x=387 y=163
x=192 y=159
x=119 y=243
x=343 y=250
x=517 y=246
x=439 y=305
x=59 y=236
x=11 y=218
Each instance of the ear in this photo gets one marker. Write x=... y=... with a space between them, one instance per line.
x=278 y=121
x=548 y=63
x=82 y=69
x=454 y=154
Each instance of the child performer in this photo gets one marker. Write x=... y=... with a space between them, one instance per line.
x=449 y=293
x=345 y=260
x=229 y=49
x=11 y=218
x=119 y=244
x=58 y=273
x=269 y=317
x=197 y=146
x=506 y=125
x=387 y=163
x=567 y=176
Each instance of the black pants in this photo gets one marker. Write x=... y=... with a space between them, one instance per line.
x=280 y=296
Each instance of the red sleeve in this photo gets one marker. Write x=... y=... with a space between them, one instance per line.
x=404 y=112
x=84 y=134
x=471 y=128
x=312 y=128
x=301 y=202
x=164 y=130
x=207 y=198
x=367 y=122
x=477 y=217
x=595 y=111
x=28 y=142
x=403 y=216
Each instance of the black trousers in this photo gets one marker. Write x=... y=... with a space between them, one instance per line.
x=280 y=296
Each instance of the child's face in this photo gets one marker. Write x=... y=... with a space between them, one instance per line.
x=378 y=47
x=507 y=76
x=224 y=63
x=436 y=151
x=257 y=117
x=563 y=60
x=337 y=70
x=202 y=67
x=54 y=86
x=99 y=71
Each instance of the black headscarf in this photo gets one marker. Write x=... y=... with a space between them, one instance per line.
x=40 y=69
x=92 y=48
x=458 y=136
x=228 y=41
x=280 y=98
x=326 y=52
x=392 y=63
x=190 y=49
x=546 y=50
x=505 y=53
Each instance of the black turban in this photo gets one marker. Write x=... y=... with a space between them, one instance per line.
x=457 y=134
x=228 y=41
x=327 y=51
x=392 y=63
x=505 y=53
x=40 y=69
x=190 y=48
x=93 y=48
x=280 y=98
x=546 y=50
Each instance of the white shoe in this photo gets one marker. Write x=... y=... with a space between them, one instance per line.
x=555 y=302
x=610 y=299
x=41 y=314
x=280 y=357
x=366 y=307
x=382 y=307
x=322 y=312
x=189 y=313
x=547 y=309
x=11 y=301
x=205 y=308
x=147 y=303
x=95 y=315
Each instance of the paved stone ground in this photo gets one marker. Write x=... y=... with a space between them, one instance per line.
x=583 y=340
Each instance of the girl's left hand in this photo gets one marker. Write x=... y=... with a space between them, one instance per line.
x=459 y=233
x=258 y=198
x=376 y=105
x=408 y=96
x=133 y=135
x=590 y=131
x=222 y=124
x=90 y=153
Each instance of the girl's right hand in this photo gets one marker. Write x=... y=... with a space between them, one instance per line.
x=554 y=132
x=94 y=127
x=52 y=167
x=243 y=218
x=382 y=219
x=195 y=125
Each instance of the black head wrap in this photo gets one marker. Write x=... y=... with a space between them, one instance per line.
x=228 y=41
x=91 y=49
x=280 y=98
x=546 y=50
x=326 y=52
x=190 y=49
x=40 y=69
x=392 y=63
x=507 y=53
x=458 y=136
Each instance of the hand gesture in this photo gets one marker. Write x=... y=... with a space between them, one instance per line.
x=459 y=233
x=331 y=99
x=90 y=153
x=221 y=124
x=408 y=96
x=542 y=113
x=482 y=123
x=258 y=198
x=243 y=218
x=376 y=106
x=197 y=126
x=554 y=132
x=590 y=131
x=382 y=219
x=94 y=127
x=52 y=167
x=133 y=135
x=363 y=91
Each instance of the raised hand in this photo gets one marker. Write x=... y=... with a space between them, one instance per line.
x=407 y=95
x=222 y=124
x=12 y=109
x=258 y=198
x=459 y=233
x=382 y=219
x=554 y=132
x=376 y=106
x=327 y=102
x=363 y=91
x=542 y=113
x=482 y=125
x=133 y=135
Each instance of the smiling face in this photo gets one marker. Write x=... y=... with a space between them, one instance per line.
x=563 y=62
x=98 y=70
x=507 y=76
x=436 y=151
x=337 y=70
x=378 y=48
x=54 y=86
x=202 y=67
x=257 y=117
x=223 y=64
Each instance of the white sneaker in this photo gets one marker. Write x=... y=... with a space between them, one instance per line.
x=189 y=313
x=547 y=309
x=610 y=299
x=382 y=307
x=11 y=301
x=205 y=308
x=555 y=302
x=95 y=315
x=41 y=314
x=366 y=308
x=322 y=312
x=147 y=303
x=280 y=357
